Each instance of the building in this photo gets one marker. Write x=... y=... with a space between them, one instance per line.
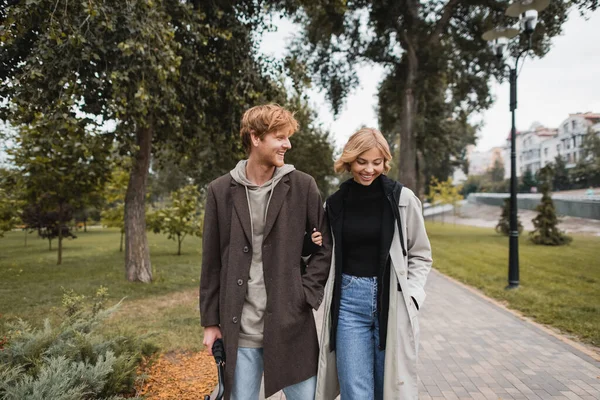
x=535 y=152
x=571 y=133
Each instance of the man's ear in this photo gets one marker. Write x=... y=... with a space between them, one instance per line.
x=255 y=140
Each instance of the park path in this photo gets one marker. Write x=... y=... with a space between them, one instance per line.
x=473 y=348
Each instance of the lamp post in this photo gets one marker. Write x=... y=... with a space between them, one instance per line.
x=499 y=37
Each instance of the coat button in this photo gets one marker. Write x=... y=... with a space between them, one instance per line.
x=240 y=282
x=246 y=249
x=234 y=319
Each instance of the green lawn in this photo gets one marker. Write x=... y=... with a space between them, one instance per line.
x=31 y=283
x=559 y=286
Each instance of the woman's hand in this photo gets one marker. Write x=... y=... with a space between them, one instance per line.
x=316 y=237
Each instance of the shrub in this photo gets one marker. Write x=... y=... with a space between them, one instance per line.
x=71 y=360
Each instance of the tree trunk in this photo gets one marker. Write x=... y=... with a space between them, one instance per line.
x=407 y=172
x=179 y=245
x=60 y=233
x=121 y=245
x=137 y=254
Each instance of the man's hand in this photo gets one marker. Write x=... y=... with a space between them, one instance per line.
x=211 y=333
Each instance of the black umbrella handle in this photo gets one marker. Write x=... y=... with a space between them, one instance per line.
x=218 y=351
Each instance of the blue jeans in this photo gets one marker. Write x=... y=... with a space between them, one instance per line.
x=360 y=363
x=248 y=374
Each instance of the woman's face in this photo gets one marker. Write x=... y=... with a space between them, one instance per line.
x=367 y=166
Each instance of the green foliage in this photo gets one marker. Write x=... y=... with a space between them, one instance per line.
x=113 y=216
x=10 y=203
x=437 y=68
x=184 y=216
x=71 y=361
x=9 y=215
x=61 y=165
x=503 y=225
x=312 y=149
x=528 y=182
x=496 y=173
x=587 y=171
x=444 y=192
x=546 y=222
x=561 y=179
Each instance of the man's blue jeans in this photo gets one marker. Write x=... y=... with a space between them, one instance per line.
x=248 y=374
x=360 y=363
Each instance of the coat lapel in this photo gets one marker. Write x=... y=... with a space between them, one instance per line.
x=240 y=203
x=275 y=204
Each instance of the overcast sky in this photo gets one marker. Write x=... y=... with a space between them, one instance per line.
x=566 y=81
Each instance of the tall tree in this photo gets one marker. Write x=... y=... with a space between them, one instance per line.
x=171 y=74
x=496 y=173
x=560 y=180
x=433 y=53
x=61 y=165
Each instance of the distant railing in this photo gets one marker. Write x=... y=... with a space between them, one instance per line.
x=582 y=206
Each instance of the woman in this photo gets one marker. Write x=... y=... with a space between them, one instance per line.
x=380 y=263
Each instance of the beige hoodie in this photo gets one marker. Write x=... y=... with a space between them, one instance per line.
x=259 y=197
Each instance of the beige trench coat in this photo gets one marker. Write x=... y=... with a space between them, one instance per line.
x=400 y=376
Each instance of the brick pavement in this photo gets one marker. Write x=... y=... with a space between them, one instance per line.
x=473 y=349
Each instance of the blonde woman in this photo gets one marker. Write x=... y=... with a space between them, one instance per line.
x=380 y=263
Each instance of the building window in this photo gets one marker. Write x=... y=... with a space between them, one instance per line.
x=573 y=124
x=558 y=147
x=546 y=152
x=574 y=142
x=575 y=157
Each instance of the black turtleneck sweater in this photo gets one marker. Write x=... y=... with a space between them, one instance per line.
x=361 y=232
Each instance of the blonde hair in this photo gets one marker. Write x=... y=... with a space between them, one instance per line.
x=260 y=120
x=363 y=140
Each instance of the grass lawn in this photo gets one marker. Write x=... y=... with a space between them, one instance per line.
x=559 y=286
x=31 y=283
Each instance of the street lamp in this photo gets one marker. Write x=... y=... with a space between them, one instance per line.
x=499 y=37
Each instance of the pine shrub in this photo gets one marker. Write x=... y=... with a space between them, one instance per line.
x=503 y=225
x=72 y=360
x=546 y=222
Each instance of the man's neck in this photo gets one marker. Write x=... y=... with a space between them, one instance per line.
x=258 y=173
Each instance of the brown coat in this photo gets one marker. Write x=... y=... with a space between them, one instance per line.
x=290 y=340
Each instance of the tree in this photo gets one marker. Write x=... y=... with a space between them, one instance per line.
x=182 y=218
x=48 y=223
x=113 y=216
x=503 y=225
x=438 y=68
x=528 y=181
x=10 y=206
x=560 y=180
x=546 y=230
x=61 y=165
x=170 y=74
x=9 y=216
x=444 y=192
x=496 y=173
x=312 y=150
x=587 y=171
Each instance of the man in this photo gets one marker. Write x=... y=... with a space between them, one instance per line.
x=253 y=292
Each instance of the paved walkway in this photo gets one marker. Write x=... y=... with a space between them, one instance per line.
x=473 y=349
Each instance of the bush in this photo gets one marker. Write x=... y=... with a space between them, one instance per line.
x=71 y=360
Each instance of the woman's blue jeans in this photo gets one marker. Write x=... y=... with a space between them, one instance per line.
x=360 y=363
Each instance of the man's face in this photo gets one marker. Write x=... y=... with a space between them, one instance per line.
x=270 y=150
